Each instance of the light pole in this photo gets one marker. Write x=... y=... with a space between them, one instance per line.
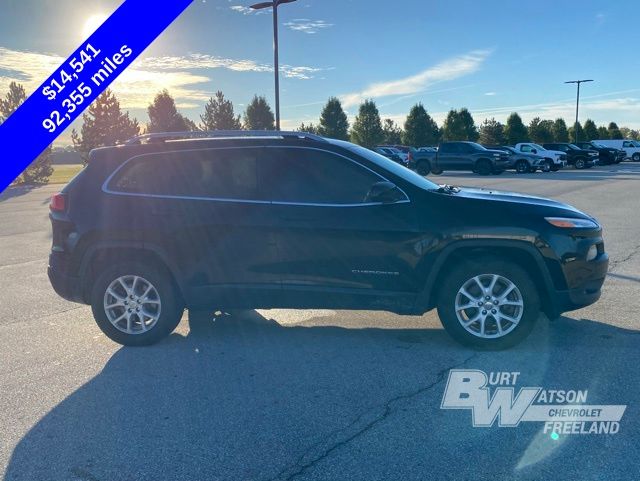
x=274 y=4
x=577 y=82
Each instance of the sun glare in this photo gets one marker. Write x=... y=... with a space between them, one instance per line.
x=92 y=24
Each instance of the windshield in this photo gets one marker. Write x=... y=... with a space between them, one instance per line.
x=476 y=146
x=573 y=147
x=537 y=146
x=636 y=143
x=391 y=166
x=598 y=144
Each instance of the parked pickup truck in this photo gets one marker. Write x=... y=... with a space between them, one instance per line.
x=606 y=155
x=579 y=158
x=460 y=156
x=555 y=159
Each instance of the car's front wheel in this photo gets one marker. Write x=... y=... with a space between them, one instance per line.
x=636 y=157
x=488 y=303
x=522 y=166
x=136 y=304
x=580 y=163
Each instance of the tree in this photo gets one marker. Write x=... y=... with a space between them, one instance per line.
x=164 y=116
x=590 y=131
x=420 y=130
x=103 y=124
x=603 y=133
x=541 y=131
x=333 y=121
x=515 y=130
x=576 y=133
x=258 y=115
x=367 y=128
x=491 y=132
x=628 y=133
x=40 y=169
x=560 y=132
x=459 y=125
x=219 y=114
x=392 y=133
x=614 y=131
x=308 y=128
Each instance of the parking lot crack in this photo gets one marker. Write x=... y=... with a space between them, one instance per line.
x=613 y=264
x=361 y=425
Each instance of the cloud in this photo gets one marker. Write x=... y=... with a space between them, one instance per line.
x=307 y=26
x=248 y=11
x=183 y=76
x=450 y=69
x=490 y=94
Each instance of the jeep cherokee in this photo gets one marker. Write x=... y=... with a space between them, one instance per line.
x=293 y=220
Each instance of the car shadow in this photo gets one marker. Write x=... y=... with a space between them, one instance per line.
x=242 y=397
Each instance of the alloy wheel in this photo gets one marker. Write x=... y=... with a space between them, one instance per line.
x=132 y=304
x=489 y=306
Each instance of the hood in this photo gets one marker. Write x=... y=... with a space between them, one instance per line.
x=515 y=199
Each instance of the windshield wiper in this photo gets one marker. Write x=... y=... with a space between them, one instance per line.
x=448 y=189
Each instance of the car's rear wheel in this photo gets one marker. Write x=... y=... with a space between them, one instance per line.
x=636 y=157
x=136 y=304
x=522 y=167
x=423 y=167
x=483 y=167
x=488 y=303
x=580 y=164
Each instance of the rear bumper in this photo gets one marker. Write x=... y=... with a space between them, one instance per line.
x=66 y=286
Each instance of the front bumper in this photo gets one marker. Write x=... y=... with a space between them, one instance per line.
x=586 y=288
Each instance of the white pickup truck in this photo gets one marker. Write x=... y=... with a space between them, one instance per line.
x=631 y=147
x=556 y=159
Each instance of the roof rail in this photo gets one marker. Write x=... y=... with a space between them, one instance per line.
x=217 y=134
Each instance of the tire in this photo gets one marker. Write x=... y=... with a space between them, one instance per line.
x=636 y=157
x=483 y=167
x=163 y=303
x=423 y=167
x=580 y=163
x=506 y=274
x=522 y=167
x=547 y=166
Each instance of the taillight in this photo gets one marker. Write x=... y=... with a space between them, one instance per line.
x=58 y=202
x=410 y=157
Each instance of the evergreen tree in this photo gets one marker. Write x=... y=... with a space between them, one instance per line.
x=308 y=128
x=492 y=132
x=219 y=114
x=367 y=128
x=459 y=125
x=164 y=116
x=40 y=169
x=540 y=131
x=392 y=133
x=515 y=130
x=603 y=133
x=590 y=130
x=333 y=121
x=560 y=132
x=614 y=131
x=103 y=124
x=420 y=130
x=576 y=133
x=258 y=115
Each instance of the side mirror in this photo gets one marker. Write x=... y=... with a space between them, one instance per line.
x=385 y=193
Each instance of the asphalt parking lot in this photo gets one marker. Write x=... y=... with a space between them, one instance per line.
x=308 y=395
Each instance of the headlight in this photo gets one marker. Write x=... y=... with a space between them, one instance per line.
x=571 y=223
x=592 y=253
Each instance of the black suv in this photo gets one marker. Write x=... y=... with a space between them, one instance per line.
x=292 y=220
x=579 y=158
x=606 y=155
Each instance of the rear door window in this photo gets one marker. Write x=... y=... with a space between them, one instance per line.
x=309 y=176
x=229 y=174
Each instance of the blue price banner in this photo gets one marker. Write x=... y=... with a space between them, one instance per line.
x=80 y=79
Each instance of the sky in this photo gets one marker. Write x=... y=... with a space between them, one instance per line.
x=493 y=57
